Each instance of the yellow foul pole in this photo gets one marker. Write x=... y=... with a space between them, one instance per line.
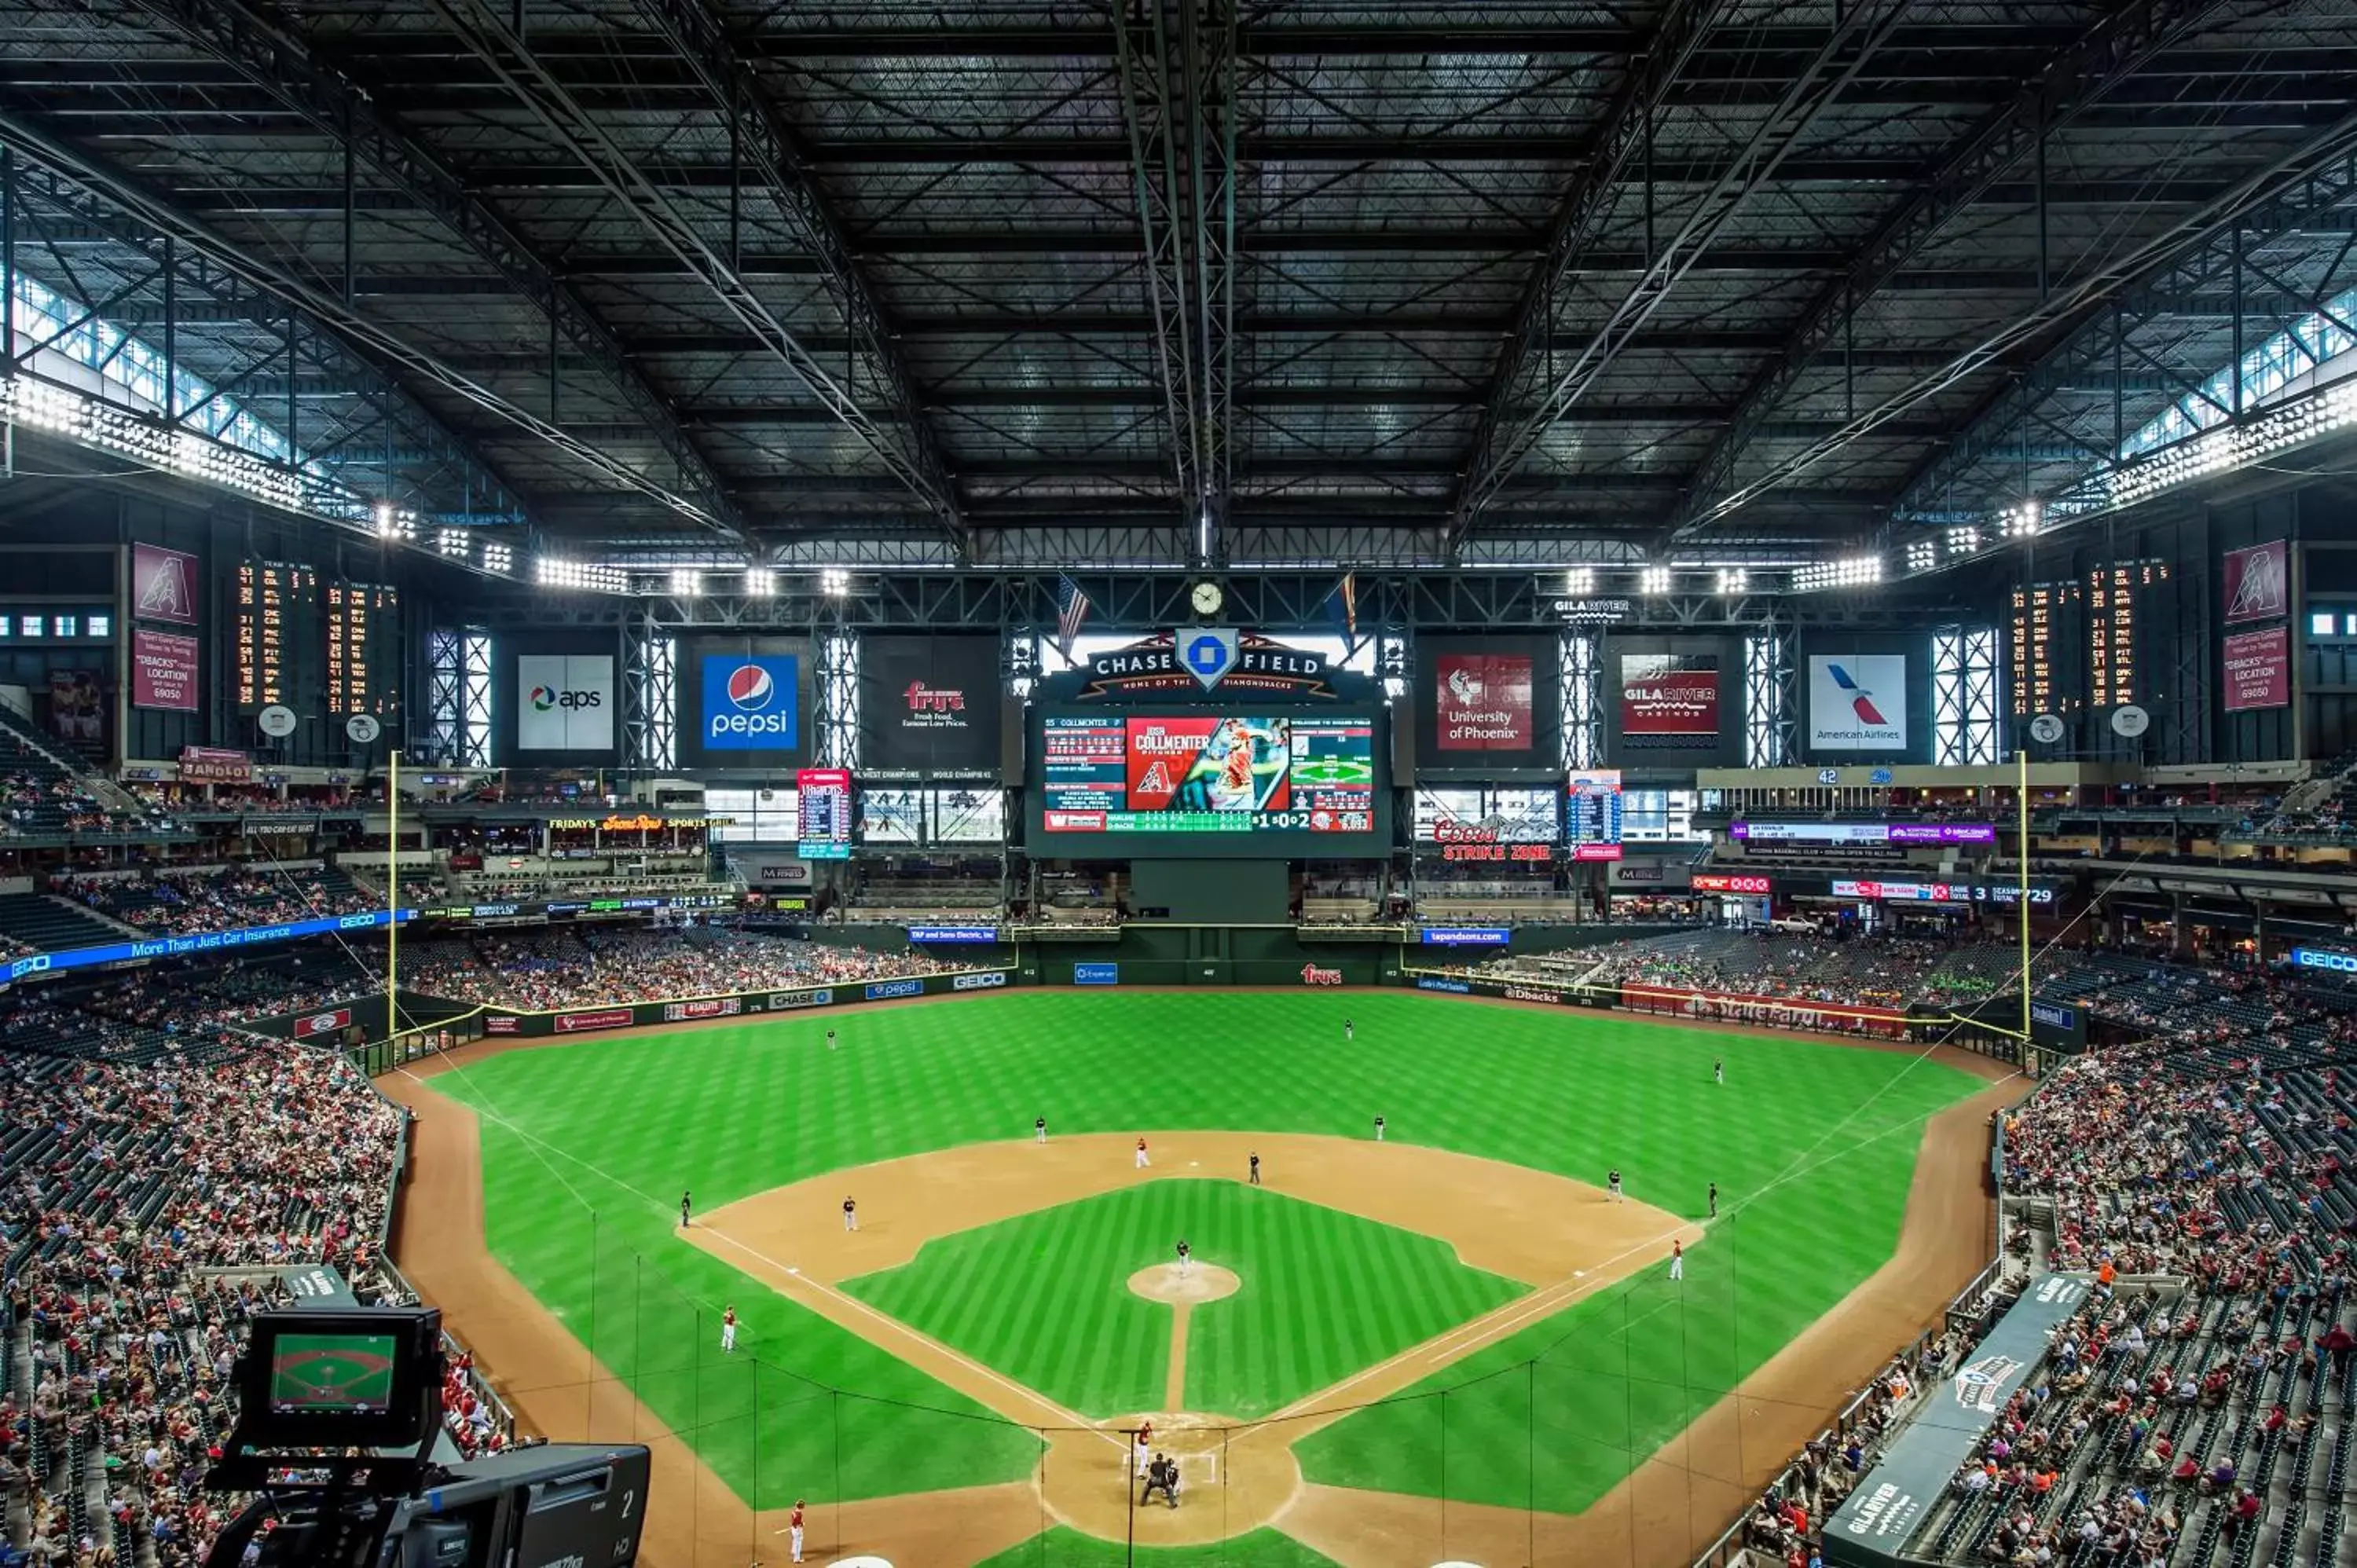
x=2022 y=801
x=392 y=897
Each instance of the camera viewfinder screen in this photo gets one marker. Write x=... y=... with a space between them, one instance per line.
x=332 y=1374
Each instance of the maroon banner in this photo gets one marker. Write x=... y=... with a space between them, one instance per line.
x=1777 y=1011
x=708 y=1007
x=1481 y=702
x=2257 y=585
x=162 y=671
x=1658 y=697
x=163 y=584
x=322 y=1023
x=2258 y=669
x=214 y=764
x=604 y=1018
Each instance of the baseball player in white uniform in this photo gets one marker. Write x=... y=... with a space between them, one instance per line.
x=1039 y=1129
x=1677 y=1259
x=728 y=1332
x=1142 y=1161
x=1185 y=1258
x=1613 y=1184
x=850 y=1215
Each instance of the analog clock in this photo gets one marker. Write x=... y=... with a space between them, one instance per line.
x=1207 y=599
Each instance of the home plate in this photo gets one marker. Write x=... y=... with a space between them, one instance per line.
x=1192 y=1165
x=793 y=1271
x=1579 y=1273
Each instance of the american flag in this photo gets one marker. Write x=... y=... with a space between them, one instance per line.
x=1072 y=609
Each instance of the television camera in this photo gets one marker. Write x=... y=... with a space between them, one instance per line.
x=339 y=1414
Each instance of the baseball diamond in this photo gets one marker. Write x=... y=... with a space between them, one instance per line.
x=1456 y=1321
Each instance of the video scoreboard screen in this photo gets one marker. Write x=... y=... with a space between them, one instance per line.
x=1236 y=778
x=1593 y=815
x=822 y=812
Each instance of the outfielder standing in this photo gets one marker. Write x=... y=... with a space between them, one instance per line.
x=1677 y=1259
x=728 y=1332
x=1719 y=1071
x=684 y=1207
x=830 y=1040
x=1349 y=1030
x=850 y=1215
x=1039 y=1129
x=1714 y=1200
x=1379 y=1129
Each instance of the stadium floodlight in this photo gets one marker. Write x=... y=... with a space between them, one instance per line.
x=686 y=582
x=761 y=582
x=834 y=582
x=551 y=572
x=2019 y=522
x=1923 y=555
x=1852 y=571
x=452 y=543
x=1964 y=540
x=395 y=525
x=498 y=557
x=1733 y=581
x=1653 y=580
x=1579 y=582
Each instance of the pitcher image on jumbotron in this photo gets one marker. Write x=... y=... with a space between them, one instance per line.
x=1210 y=764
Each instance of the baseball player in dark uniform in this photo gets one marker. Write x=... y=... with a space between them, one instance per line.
x=1256 y=1169
x=1186 y=1257
x=1613 y=1184
x=1379 y=1129
x=1039 y=1129
x=685 y=1208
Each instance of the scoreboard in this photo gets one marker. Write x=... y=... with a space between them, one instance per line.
x=315 y=644
x=364 y=644
x=1594 y=815
x=277 y=622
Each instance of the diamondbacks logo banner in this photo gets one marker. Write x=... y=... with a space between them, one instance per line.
x=2256 y=582
x=163 y=584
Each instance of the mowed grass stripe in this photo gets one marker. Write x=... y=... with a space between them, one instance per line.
x=1324 y=1294
x=734 y=1110
x=1065 y=1548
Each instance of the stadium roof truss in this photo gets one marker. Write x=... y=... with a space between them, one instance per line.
x=1163 y=283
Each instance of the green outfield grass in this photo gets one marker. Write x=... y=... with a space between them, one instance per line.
x=1044 y=1298
x=617 y=1127
x=1061 y=1548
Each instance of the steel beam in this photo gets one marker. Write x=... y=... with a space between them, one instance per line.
x=509 y=57
x=2119 y=45
x=2317 y=192
x=880 y=404
x=283 y=65
x=342 y=349
x=1503 y=441
x=1177 y=90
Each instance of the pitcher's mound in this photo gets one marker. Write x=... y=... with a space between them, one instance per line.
x=1203 y=1283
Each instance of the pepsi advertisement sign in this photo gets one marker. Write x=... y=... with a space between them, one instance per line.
x=1466 y=936
x=751 y=702
x=886 y=990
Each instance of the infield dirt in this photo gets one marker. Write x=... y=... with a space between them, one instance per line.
x=1559 y=1235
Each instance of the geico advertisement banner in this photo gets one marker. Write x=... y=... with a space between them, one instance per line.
x=1857 y=702
x=565 y=701
x=984 y=981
